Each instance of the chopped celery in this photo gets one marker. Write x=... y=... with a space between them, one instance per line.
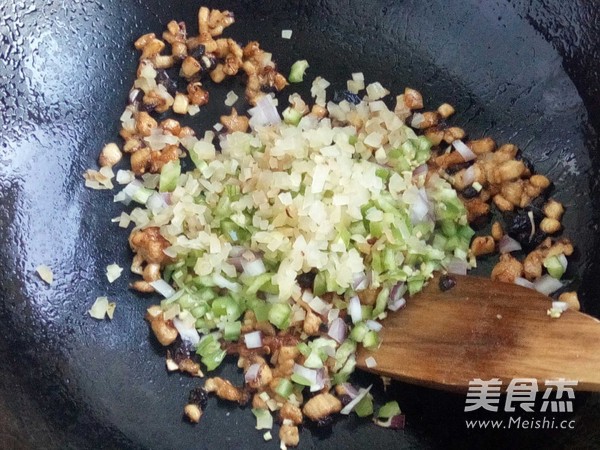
x=371 y=340
x=169 y=176
x=297 y=71
x=554 y=266
x=390 y=409
x=299 y=379
x=280 y=315
x=210 y=351
x=291 y=116
x=142 y=195
x=364 y=408
x=359 y=332
x=284 y=387
x=232 y=331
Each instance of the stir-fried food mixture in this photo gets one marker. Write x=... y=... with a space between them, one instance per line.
x=293 y=235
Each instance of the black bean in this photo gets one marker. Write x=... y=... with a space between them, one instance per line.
x=451 y=170
x=207 y=62
x=198 y=396
x=323 y=328
x=180 y=350
x=447 y=282
x=345 y=399
x=198 y=52
x=470 y=192
x=306 y=280
x=520 y=223
x=325 y=422
x=339 y=96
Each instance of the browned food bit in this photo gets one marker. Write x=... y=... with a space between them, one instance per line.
x=322 y=406
x=413 y=99
x=445 y=110
x=110 y=155
x=163 y=329
x=235 y=122
x=554 y=209
x=289 y=435
x=193 y=412
x=571 y=299
x=483 y=245
x=507 y=270
x=226 y=391
x=497 y=231
x=291 y=412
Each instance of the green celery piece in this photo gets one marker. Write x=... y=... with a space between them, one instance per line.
x=169 y=176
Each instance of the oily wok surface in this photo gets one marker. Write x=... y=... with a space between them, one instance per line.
x=520 y=72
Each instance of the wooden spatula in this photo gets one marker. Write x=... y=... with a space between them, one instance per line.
x=485 y=329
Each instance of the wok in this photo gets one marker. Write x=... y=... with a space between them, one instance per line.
x=526 y=72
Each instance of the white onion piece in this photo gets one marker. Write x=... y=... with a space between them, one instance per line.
x=163 y=288
x=113 y=271
x=45 y=273
x=125 y=176
x=469 y=176
x=305 y=372
x=417 y=120
x=354 y=309
x=253 y=268
x=397 y=292
x=370 y=362
x=420 y=207
x=156 y=202
x=252 y=373
x=457 y=266
x=320 y=382
x=547 y=285
x=464 y=150
x=253 y=339
x=395 y=306
x=524 y=282
x=560 y=306
x=131 y=189
x=350 y=390
x=264 y=113
x=99 y=308
x=562 y=259
x=361 y=281
x=224 y=283
x=508 y=244
x=422 y=169
x=187 y=333
x=374 y=325
x=337 y=330
x=319 y=306
x=350 y=406
x=332 y=315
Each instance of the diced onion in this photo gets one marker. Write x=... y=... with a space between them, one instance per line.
x=421 y=170
x=560 y=306
x=188 y=333
x=508 y=244
x=252 y=373
x=231 y=98
x=464 y=150
x=45 y=273
x=374 y=325
x=125 y=176
x=163 y=288
x=337 y=330
x=457 y=266
x=469 y=176
x=350 y=390
x=350 y=406
x=253 y=268
x=309 y=374
x=253 y=340
x=395 y=306
x=319 y=306
x=113 y=272
x=264 y=113
x=286 y=34
x=524 y=282
x=100 y=308
x=547 y=285
x=355 y=309
x=370 y=362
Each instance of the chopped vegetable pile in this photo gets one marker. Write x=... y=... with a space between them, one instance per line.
x=293 y=235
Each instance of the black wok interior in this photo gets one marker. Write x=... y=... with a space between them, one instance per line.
x=526 y=72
